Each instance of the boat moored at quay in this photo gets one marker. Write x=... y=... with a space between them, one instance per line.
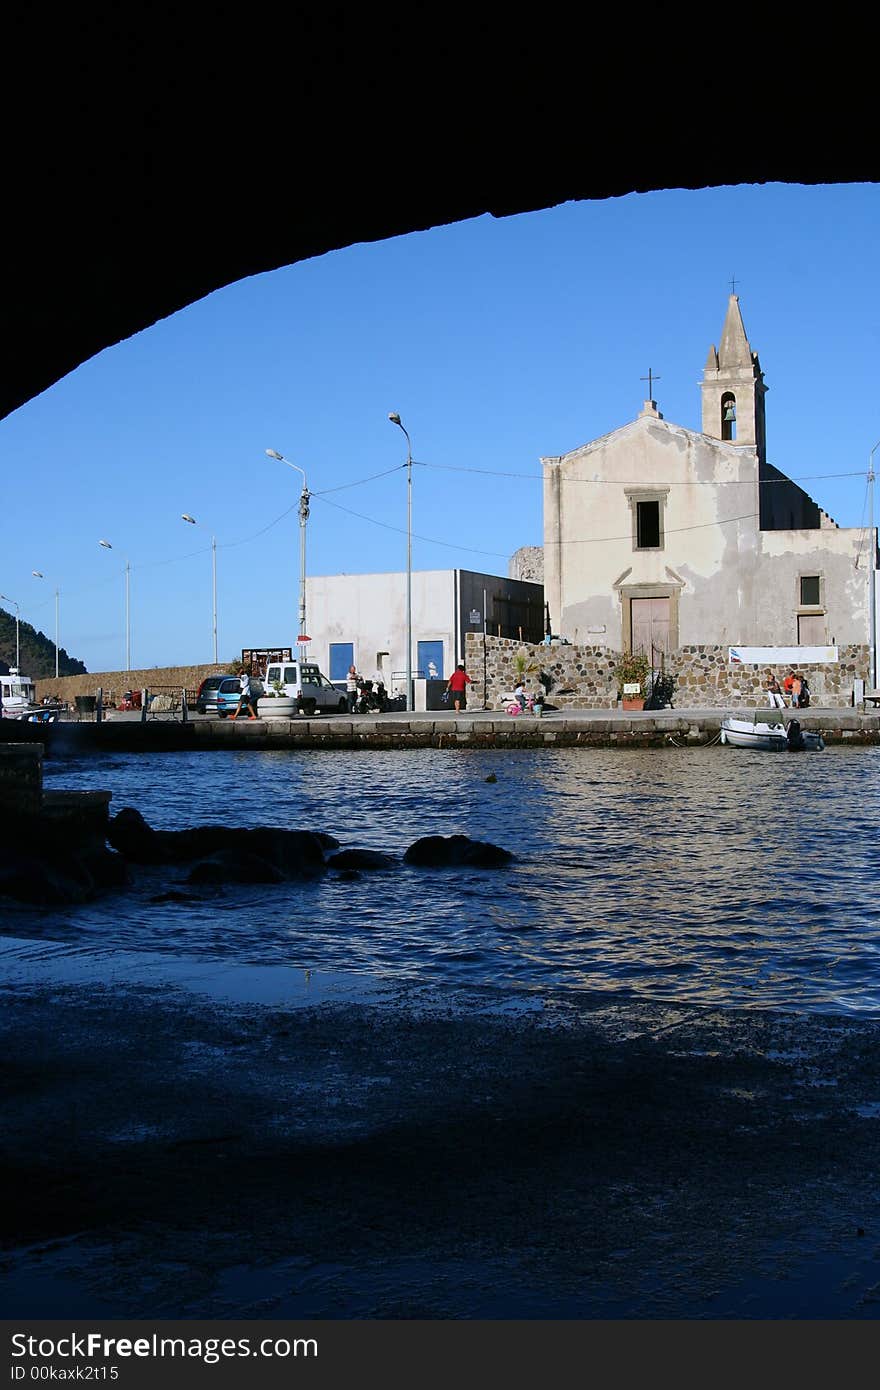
x=598 y=728
x=19 y=700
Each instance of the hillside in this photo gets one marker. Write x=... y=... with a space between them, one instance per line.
x=37 y=651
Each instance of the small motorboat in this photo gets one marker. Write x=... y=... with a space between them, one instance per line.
x=18 y=700
x=770 y=738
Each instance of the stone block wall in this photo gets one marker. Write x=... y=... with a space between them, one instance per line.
x=113 y=683
x=586 y=677
x=21 y=780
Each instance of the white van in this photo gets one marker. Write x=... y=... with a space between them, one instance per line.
x=304 y=682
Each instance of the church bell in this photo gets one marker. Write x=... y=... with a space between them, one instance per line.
x=729 y=414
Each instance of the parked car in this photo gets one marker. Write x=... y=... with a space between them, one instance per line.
x=307 y=685
x=228 y=691
x=206 y=699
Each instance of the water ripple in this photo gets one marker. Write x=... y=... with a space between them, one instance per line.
x=712 y=876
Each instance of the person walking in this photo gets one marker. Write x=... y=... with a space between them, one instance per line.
x=351 y=688
x=245 y=697
x=457 y=685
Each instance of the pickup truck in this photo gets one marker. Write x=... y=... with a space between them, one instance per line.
x=304 y=682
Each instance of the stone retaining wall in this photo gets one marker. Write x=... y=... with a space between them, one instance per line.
x=657 y=729
x=586 y=677
x=113 y=683
x=21 y=779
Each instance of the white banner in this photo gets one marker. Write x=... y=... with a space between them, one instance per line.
x=781 y=656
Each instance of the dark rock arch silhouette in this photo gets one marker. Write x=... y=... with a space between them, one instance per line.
x=144 y=169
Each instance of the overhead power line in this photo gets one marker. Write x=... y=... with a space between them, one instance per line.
x=639 y=482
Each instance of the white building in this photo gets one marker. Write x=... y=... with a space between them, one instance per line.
x=360 y=620
x=660 y=537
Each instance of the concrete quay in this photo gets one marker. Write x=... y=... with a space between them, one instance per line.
x=600 y=728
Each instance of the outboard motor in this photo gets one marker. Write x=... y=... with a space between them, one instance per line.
x=794 y=737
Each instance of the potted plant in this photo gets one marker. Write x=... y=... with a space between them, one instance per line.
x=632 y=676
x=275 y=703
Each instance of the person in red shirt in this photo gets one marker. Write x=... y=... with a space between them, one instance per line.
x=787 y=684
x=457 y=684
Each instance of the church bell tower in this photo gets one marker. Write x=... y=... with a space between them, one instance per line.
x=733 y=387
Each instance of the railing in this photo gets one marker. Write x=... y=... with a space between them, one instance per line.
x=166 y=702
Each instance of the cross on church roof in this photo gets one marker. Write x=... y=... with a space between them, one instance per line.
x=650 y=378
x=733 y=286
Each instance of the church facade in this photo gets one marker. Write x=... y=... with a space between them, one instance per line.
x=658 y=537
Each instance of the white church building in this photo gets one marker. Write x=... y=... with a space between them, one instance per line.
x=661 y=537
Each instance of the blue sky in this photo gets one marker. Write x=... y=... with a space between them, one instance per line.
x=497 y=341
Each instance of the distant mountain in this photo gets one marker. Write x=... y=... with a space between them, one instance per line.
x=37 y=658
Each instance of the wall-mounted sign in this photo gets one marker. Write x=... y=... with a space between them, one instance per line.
x=781 y=656
x=476 y=615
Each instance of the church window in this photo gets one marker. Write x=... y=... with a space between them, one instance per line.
x=647 y=525
x=647 y=506
x=810 y=590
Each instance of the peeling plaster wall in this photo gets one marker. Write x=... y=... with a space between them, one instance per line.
x=741 y=584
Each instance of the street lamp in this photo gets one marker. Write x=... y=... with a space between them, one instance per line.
x=17 y=616
x=38 y=574
x=108 y=546
x=872 y=574
x=302 y=637
x=395 y=420
x=185 y=516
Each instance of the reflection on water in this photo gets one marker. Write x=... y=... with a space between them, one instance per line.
x=715 y=876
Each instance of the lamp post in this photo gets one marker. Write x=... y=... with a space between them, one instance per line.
x=17 y=616
x=872 y=575
x=395 y=420
x=38 y=574
x=108 y=546
x=185 y=516
x=302 y=637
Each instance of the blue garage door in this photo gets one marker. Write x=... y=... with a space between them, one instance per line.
x=431 y=660
x=341 y=657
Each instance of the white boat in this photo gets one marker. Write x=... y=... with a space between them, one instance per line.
x=770 y=738
x=19 y=700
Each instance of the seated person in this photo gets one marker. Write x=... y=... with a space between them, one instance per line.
x=774 y=694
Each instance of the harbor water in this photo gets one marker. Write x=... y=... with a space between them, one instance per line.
x=712 y=876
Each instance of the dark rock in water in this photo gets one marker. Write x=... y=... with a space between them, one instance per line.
x=327 y=841
x=442 y=851
x=491 y=777
x=129 y=833
x=57 y=879
x=41 y=883
x=235 y=866
x=361 y=859
x=292 y=852
x=108 y=870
